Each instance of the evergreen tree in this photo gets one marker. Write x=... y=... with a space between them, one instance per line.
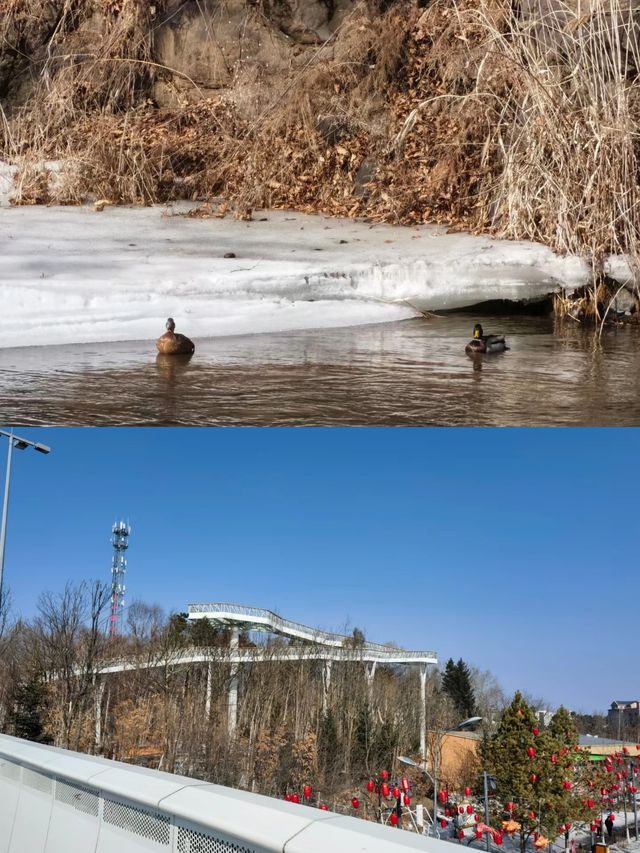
x=29 y=709
x=328 y=748
x=539 y=772
x=362 y=742
x=456 y=683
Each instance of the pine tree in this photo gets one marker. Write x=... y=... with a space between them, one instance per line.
x=456 y=683
x=29 y=710
x=328 y=748
x=536 y=771
x=362 y=742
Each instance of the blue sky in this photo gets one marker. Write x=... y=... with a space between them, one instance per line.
x=513 y=549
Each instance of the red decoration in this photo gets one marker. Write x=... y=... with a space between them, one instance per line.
x=592 y=828
x=461 y=810
x=567 y=785
x=476 y=818
x=406 y=800
x=307 y=791
x=287 y=797
x=355 y=802
x=393 y=820
x=536 y=732
x=612 y=816
x=295 y=798
x=469 y=809
x=442 y=796
x=396 y=791
x=385 y=789
x=370 y=786
x=384 y=775
x=532 y=815
x=447 y=812
x=508 y=807
x=467 y=791
x=554 y=758
x=323 y=807
x=589 y=804
x=461 y=835
x=533 y=777
x=531 y=752
x=498 y=838
x=478 y=833
x=567 y=826
x=444 y=824
x=404 y=783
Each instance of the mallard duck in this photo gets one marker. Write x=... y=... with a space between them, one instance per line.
x=485 y=343
x=172 y=344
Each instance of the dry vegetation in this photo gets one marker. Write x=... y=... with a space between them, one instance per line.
x=286 y=735
x=515 y=118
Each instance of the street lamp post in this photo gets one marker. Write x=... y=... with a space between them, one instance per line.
x=20 y=444
x=465 y=724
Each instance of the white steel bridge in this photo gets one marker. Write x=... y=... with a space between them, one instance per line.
x=305 y=644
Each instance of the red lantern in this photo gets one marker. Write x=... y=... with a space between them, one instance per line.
x=476 y=818
x=295 y=798
x=385 y=789
x=442 y=796
x=370 y=786
x=467 y=791
x=406 y=800
x=461 y=810
x=531 y=752
x=498 y=838
x=567 y=826
x=384 y=775
x=618 y=776
x=307 y=791
x=478 y=833
x=508 y=807
x=461 y=835
x=287 y=797
x=323 y=807
x=592 y=828
x=393 y=820
x=554 y=758
x=396 y=791
x=447 y=812
x=355 y=802
x=533 y=777
x=567 y=785
x=469 y=809
x=536 y=732
x=589 y=804
x=404 y=783
x=444 y=824
x=532 y=815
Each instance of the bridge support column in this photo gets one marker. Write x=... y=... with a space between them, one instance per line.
x=99 y=693
x=232 y=712
x=207 y=701
x=370 y=673
x=423 y=711
x=326 y=684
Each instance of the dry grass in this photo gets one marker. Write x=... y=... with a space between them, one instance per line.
x=470 y=112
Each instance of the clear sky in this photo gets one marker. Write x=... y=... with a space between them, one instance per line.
x=516 y=550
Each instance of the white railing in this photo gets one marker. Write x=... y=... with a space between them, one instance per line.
x=263 y=654
x=260 y=617
x=56 y=801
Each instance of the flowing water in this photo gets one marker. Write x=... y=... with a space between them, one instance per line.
x=407 y=373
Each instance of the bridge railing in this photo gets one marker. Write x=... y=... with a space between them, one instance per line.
x=57 y=801
x=285 y=625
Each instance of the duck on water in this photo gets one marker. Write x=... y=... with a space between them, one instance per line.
x=485 y=343
x=172 y=344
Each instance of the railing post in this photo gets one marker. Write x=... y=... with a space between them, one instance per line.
x=423 y=711
x=232 y=713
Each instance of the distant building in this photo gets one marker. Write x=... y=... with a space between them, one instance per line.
x=623 y=715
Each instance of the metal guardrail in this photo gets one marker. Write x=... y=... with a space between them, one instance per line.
x=57 y=801
x=264 y=655
x=244 y=613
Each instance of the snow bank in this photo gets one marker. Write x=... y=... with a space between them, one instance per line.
x=75 y=275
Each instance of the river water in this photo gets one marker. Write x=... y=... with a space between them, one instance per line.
x=413 y=372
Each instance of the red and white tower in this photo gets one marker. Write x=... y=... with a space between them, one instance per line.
x=120 y=542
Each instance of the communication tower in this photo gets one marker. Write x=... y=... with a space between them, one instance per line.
x=120 y=542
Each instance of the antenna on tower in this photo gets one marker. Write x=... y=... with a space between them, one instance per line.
x=120 y=542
